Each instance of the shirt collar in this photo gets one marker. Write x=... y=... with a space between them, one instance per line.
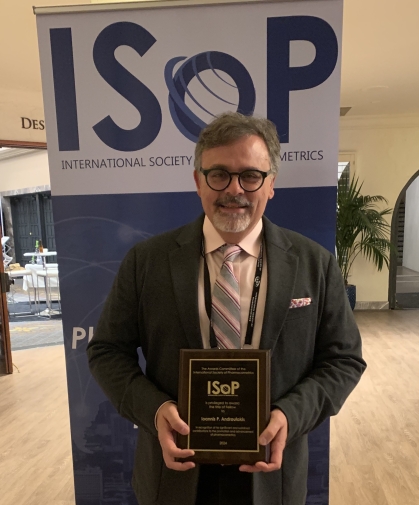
x=250 y=243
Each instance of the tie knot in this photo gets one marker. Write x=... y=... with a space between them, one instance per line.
x=230 y=251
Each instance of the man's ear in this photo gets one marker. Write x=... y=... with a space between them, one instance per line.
x=271 y=189
x=197 y=182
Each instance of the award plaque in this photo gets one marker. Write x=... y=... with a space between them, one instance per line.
x=224 y=397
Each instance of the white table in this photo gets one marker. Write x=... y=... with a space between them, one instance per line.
x=48 y=253
x=41 y=255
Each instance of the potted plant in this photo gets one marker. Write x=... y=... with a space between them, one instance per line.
x=361 y=229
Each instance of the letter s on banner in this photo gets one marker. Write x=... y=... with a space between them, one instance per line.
x=108 y=40
x=122 y=81
x=281 y=78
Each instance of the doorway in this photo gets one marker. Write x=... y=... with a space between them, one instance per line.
x=32 y=220
x=33 y=302
x=404 y=265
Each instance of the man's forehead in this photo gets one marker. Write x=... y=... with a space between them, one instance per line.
x=244 y=139
x=227 y=167
x=236 y=155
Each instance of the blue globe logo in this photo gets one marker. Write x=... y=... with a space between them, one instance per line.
x=185 y=119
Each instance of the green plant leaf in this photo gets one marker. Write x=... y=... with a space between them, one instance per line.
x=361 y=228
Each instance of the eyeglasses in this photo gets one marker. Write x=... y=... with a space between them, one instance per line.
x=219 y=179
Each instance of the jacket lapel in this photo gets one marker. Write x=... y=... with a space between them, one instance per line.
x=184 y=265
x=282 y=271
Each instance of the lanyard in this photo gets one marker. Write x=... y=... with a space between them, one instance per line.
x=253 y=302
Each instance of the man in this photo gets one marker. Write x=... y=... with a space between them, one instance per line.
x=158 y=303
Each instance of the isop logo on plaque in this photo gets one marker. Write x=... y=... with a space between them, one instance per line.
x=224 y=396
x=215 y=388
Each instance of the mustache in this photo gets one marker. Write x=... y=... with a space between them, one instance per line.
x=239 y=200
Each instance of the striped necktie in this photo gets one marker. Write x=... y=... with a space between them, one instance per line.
x=225 y=315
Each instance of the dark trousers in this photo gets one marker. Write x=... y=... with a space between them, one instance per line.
x=224 y=485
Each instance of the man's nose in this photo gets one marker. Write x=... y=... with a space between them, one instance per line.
x=234 y=187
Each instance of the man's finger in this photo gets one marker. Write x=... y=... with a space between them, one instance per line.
x=169 y=447
x=170 y=415
x=277 y=426
x=171 y=452
x=168 y=444
x=278 y=446
x=168 y=421
x=274 y=464
x=260 y=466
x=179 y=466
x=177 y=424
x=276 y=422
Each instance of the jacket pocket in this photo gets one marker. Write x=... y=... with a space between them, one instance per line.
x=300 y=312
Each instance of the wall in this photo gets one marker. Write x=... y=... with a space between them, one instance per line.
x=387 y=155
x=27 y=171
x=411 y=228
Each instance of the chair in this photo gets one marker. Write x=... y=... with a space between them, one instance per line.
x=34 y=282
x=16 y=274
x=44 y=279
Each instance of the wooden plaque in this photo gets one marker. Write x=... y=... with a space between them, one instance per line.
x=224 y=397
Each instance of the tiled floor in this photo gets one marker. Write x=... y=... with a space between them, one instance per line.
x=26 y=333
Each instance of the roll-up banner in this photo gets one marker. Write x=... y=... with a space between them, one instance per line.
x=127 y=89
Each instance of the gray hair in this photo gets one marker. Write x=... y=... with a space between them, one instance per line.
x=231 y=126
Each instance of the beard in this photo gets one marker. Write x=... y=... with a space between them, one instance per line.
x=230 y=223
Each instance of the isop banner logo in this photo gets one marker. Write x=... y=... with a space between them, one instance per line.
x=186 y=121
x=282 y=79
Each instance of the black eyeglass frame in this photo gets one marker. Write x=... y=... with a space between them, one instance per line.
x=264 y=175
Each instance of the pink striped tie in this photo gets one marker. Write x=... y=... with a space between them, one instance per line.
x=225 y=315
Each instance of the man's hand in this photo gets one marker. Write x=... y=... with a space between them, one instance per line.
x=276 y=433
x=167 y=422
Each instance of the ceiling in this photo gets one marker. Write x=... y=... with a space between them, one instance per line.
x=380 y=74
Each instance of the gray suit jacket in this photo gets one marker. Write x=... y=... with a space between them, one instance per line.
x=316 y=351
